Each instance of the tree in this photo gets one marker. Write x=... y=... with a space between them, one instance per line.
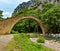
x=1 y=14
x=52 y=19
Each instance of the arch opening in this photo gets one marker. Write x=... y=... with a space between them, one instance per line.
x=26 y=26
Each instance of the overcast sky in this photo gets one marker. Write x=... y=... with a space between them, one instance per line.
x=8 y=6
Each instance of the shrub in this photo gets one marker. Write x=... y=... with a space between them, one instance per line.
x=14 y=32
x=41 y=39
x=28 y=36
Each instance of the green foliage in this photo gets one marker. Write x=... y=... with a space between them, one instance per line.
x=23 y=43
x=51 y=19
x=25 y=26
x=1 y=14
x=14 y=32
x=41 y=39
x=46 y=7
x=50 y=16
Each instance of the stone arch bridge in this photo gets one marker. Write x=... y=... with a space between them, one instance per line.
x=7 y=24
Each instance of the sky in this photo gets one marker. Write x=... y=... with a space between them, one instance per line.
x=8 y=6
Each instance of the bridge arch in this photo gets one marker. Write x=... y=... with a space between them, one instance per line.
x=7 y=25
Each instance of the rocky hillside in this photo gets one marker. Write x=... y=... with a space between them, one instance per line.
x=34 y=2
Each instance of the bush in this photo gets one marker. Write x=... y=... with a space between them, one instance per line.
x=41 y=39
x=28 y=35
x=14 y=32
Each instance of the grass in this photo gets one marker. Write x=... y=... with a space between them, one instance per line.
x=22 y=42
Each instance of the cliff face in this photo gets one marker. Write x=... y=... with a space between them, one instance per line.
x=32 y=3
x=24 y=5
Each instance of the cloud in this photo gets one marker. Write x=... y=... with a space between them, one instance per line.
x=8 y=6
x=8 y=1
x=6 y=14
x=20 y=1
x=5 y=1
x=12 y=1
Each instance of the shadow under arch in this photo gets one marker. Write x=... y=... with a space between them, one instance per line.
x=9 y=24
